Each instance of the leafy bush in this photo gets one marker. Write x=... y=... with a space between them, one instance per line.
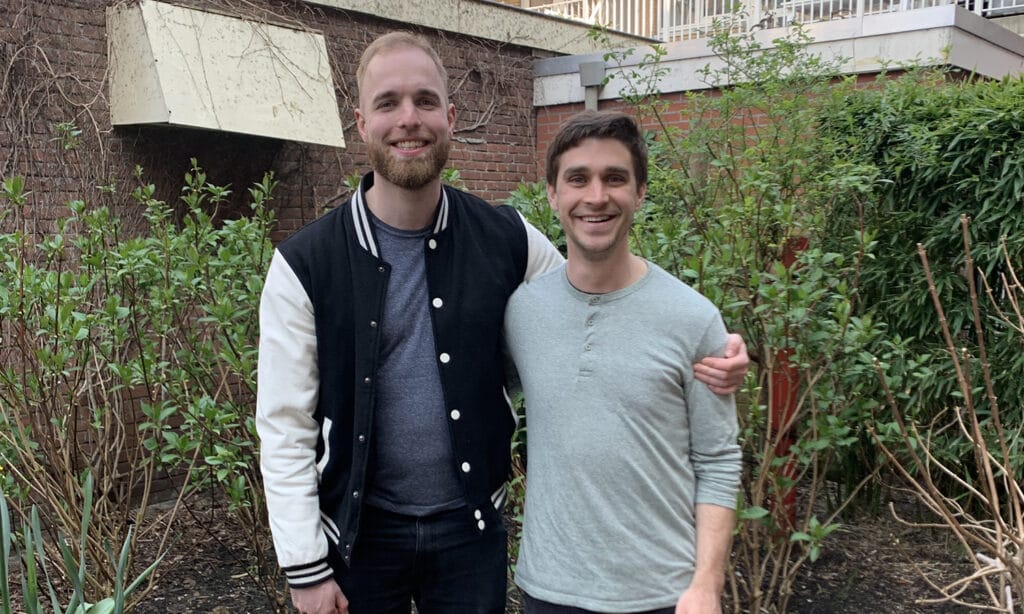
x=131 y=359
x=943 y=148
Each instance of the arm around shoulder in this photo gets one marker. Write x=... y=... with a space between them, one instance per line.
x=542 y=255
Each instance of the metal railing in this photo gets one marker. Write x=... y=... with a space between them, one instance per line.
x=673 y=20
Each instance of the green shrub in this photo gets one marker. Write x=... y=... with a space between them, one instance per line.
x=134 y=363
x=944 y=148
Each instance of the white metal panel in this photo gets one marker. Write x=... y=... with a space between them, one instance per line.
x=223 y=73
x=135 y=93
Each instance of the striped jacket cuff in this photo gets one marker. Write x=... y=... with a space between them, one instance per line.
x=302 y=576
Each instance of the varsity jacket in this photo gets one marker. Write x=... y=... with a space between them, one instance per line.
x=319 y=352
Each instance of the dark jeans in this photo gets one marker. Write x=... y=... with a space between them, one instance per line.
x=442 y=562
x=536 y=606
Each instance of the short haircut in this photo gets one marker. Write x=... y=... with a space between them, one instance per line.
x=394 y=40
x=599 y=125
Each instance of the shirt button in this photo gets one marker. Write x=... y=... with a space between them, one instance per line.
x=445 y=358
x=465 y=467
x=432 y=244
x=481 y=524
x=456 y=414
x=587 y=347
x=437 y=302
x=590 y=321
x=348 y=546
x=594 y=300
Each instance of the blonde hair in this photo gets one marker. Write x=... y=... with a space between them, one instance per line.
x=393 y=40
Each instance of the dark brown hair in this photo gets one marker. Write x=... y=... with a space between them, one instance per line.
x=599 y=125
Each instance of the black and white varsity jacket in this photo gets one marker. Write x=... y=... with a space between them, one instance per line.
x=319 y=352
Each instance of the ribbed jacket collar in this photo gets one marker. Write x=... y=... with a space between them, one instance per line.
x=361 y=215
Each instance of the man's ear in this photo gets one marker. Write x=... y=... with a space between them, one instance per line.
x=451 y=119
x=641 y=192
x=551 y=197
x=361 y=123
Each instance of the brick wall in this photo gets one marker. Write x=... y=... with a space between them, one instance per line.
x=549 y=119
x=52 y=69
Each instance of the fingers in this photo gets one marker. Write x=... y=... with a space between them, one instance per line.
x=734 y=345
x=718 y=379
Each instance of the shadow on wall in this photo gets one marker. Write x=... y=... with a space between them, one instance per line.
x=228 y=159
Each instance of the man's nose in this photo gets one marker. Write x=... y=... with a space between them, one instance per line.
x=596 y=191
x=408 y=114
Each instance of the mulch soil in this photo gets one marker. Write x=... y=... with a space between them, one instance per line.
x=871 y=565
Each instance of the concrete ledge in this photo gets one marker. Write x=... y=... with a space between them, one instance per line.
x=943 y=35
x=487 y=20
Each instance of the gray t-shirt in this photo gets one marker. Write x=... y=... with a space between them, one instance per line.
x=622 y=440
x=413 y=467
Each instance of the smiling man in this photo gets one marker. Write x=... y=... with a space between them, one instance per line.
x=382 y=415
x=633 y=463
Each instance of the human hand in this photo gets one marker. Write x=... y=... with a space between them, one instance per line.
x=324 y=598
x=699 y=601
x=725 y=375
